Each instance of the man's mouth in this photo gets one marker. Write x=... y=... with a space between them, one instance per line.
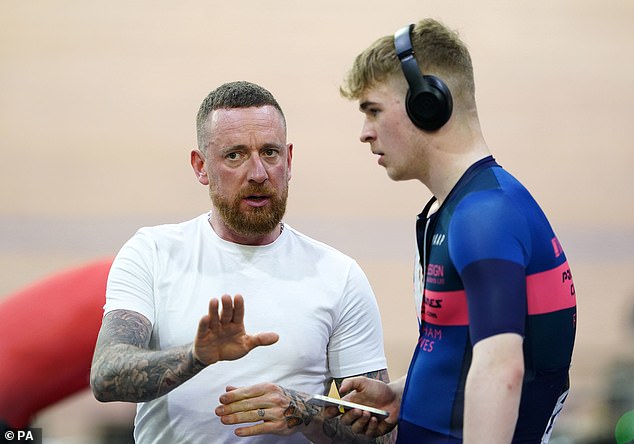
x=380 y=154
x=257 y=200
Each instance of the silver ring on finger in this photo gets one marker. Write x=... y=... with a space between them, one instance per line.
x=261 y=413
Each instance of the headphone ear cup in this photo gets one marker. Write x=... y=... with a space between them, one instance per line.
x=430 y=106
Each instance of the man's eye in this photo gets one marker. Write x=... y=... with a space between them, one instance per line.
x=233 y=156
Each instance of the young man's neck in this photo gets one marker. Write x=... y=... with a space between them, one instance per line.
x=450 y=164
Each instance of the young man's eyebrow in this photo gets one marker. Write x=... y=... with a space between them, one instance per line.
x=365 y=105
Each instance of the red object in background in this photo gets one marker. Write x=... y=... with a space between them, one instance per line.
x=47 y=338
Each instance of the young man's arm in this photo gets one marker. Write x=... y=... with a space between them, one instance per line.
x=493 y=389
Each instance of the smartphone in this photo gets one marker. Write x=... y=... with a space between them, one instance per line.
x=325 y=401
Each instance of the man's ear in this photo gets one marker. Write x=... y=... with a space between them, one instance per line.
x=197 y=159
x=290 y=159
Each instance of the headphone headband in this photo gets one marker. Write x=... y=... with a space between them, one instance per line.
x=403 y=42
x=405 y=53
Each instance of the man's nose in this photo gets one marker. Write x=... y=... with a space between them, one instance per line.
x=367 y=133
x=257 y=170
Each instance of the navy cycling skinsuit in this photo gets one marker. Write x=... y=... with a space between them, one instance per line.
x=492 y=265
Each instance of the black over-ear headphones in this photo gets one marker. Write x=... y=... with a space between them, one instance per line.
x=428 y=102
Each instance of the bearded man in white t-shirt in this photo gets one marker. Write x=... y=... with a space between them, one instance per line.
x=203 y=379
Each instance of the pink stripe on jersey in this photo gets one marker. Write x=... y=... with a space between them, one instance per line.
x=446 y=307
x=550 y=290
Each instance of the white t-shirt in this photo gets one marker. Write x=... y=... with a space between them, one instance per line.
x=317 y=299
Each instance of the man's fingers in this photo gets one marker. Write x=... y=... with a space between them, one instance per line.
x=264 y=395
x=227 y=309
x=331 y=411
x=203 y=325
x=350 y=384
x=266 y=421
x=351 y=416
x=359 y=426
x=257 y=429
x=241 y=394
x=213 y=312
x=238 y=309
x=268 y=338
x=373 y=427
x=242 y=417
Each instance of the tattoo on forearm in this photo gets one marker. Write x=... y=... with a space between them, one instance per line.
x=298 y=411
x=124 y=369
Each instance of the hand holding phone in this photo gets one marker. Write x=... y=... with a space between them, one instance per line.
x=326 y=401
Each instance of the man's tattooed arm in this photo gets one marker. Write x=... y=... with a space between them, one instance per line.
x=124 y=369
x=298 y=412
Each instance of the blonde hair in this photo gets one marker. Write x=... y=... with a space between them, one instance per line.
x=439 y=52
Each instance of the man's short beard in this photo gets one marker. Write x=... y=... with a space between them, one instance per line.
x=254 y=220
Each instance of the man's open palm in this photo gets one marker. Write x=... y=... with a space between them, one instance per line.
x=222 y=336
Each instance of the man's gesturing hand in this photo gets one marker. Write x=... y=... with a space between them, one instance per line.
x=222 y=337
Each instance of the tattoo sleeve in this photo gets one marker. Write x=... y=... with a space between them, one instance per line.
x=125 y=369
x=299 y=412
